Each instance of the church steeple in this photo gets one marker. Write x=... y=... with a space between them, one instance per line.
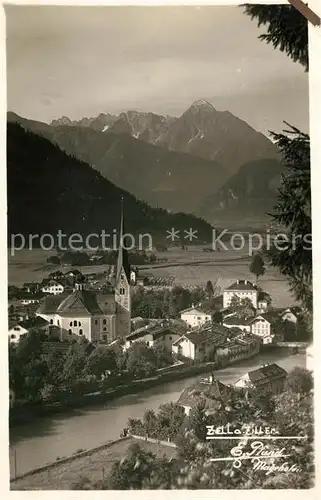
x=122 y=259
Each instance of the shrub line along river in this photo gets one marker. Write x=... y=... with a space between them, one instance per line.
x=40 y=442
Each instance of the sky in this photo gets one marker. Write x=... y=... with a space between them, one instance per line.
x=82 y=61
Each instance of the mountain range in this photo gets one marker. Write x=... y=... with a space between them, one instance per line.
x=189 y=164
x=50 y=191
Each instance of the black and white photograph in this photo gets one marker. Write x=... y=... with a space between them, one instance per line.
x=159 y=247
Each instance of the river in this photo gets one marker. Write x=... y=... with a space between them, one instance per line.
x=42 y=441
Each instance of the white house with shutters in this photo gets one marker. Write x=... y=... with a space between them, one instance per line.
x=243 y=289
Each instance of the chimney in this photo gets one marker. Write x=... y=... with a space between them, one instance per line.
x=245 y=282
x=237 y=282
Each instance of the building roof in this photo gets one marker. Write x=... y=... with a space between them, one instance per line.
x=240 y=285
x=268 y=316
x=34 y=322
x=194 y=310
x=80 y=302
x=213 y=391
x=50 y=304
x=266 y=374
x=236 y=320
x=294 y=310
x=216 y=334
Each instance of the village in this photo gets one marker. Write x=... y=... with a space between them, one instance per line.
x=222 y=329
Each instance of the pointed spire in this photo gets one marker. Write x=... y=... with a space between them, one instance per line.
x=122 y=260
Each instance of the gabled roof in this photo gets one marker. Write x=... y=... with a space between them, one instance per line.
x=242 y=285
x=266 y=374
x=33 y=322
x=235 y=320
x=80 y=302
x=266 y=316
x=50 y=304
x=194 y=310
x=216 y=334
x=212 y=392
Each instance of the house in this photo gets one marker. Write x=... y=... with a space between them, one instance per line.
x=208 y=390
x=234 y=321
x=268 y=378
x=242 y=346
x=100 y=316
x=166 y=332
x=195 y=317
x=27 y=326
x=291 y=314
x=53 y=287
x=201 y=345
x=27 y=298
x=261 y=327
x=243 y=289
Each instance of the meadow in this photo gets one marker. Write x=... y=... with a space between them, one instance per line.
x=191 y=267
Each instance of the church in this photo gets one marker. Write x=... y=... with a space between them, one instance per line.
x=100 y=317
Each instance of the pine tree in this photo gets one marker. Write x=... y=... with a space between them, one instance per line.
x=293 y=212
x=287 y=29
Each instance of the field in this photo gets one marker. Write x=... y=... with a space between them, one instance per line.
x=96 y=465
x=189 y=267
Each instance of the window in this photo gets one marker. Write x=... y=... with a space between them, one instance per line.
x=79 y=323
x=96 y=321
x=51 y=321
x=105 y=329
x=70 y=332
x=58 y=322
x=80 y=331
x=122 y=291
x=170 y=338
x=70 y=324
x=104 y=322
x=16 y=328
x=12 y=336
x=75 y=323
x=104 y=337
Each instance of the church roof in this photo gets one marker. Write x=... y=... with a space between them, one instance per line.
x=80 y=302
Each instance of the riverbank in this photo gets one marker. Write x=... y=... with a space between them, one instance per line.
x=95 y=464
x=41 y=440
x=27 y=413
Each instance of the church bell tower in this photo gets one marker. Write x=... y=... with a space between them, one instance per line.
x=122 y=286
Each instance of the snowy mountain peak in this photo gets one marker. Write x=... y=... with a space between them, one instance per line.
x=203 y=105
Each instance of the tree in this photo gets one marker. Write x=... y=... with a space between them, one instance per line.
x=257 y=266
x=299 y=380
x=209 y=289
x=101 y=360
x=287 y=29
x=132 y=470
x=293 y=255
x=198 y=420
x=141 y=360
